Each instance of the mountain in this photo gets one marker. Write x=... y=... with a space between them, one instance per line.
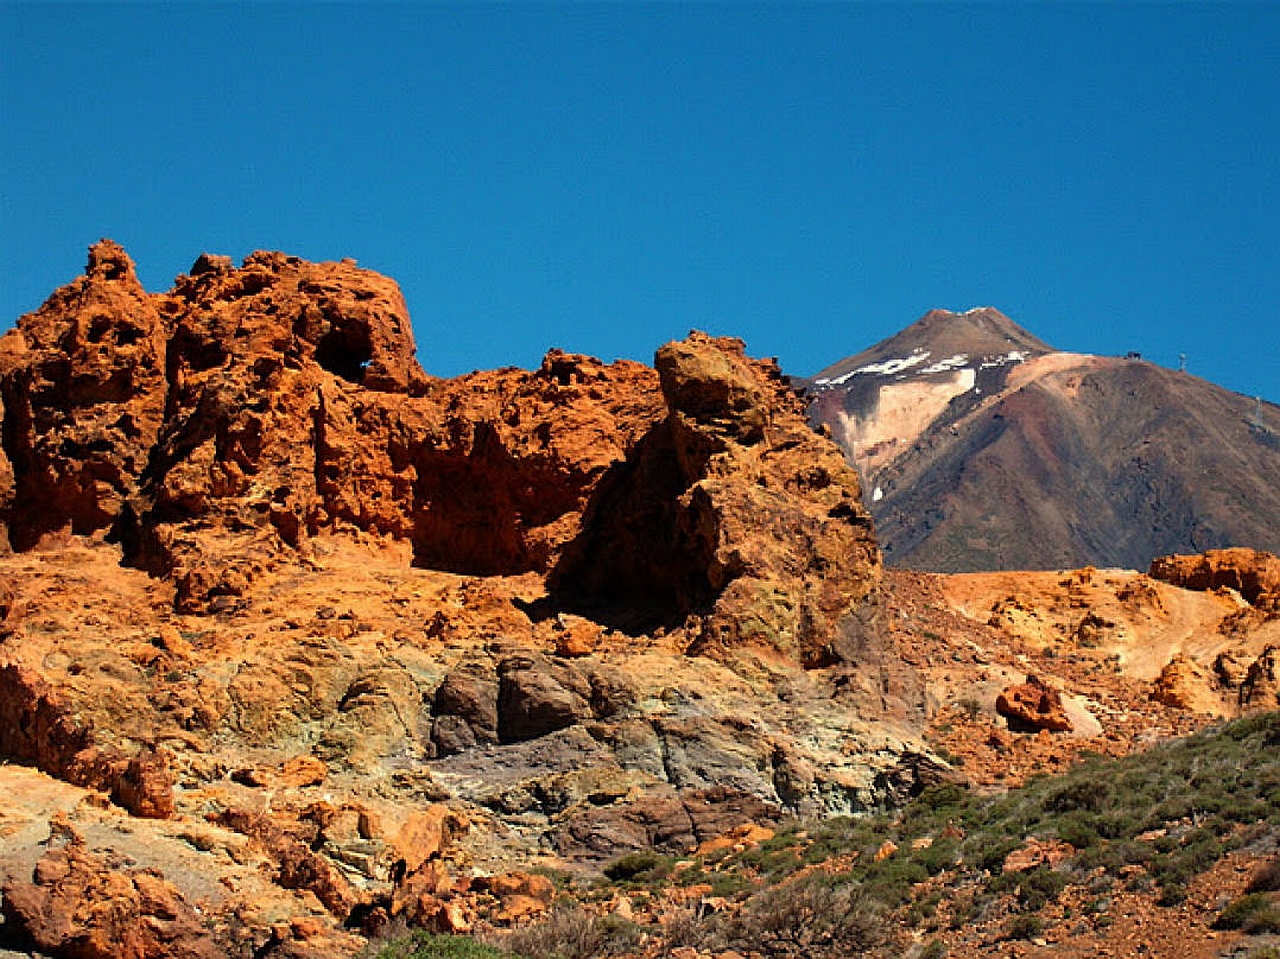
x=983 y=448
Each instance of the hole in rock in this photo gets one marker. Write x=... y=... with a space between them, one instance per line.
x=345 y=351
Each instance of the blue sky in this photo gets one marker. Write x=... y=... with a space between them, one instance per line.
x=604 y=177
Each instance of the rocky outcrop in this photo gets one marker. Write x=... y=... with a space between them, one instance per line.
x=78 y=903
x=295 y=594
x=1032 y=706
x=83 y=386
x=1254 y=574
x=38 y=726
x=1184 y=683
x=733 y=510
x=1261 y=686
x=280 y=399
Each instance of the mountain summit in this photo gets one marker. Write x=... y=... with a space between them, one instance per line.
x=982 y=447
x=939 y=334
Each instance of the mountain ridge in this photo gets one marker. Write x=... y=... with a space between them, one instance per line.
x=1027 y=457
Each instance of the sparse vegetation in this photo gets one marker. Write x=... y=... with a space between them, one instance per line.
x=571 y=932
x=1152 y=821
x=425 y=945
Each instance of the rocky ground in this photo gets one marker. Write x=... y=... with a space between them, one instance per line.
x=301 y=648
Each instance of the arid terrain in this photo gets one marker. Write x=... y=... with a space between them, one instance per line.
x=303 y=651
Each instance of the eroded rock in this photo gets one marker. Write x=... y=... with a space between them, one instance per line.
x=1033 y=706
x=78 y=903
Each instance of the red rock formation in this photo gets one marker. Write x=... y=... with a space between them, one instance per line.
x=288 y=402
x=82 y=381
x=1185 y=684
x=1032 y=706
x=731 y=509
x=38 y=727
x=78 y=904
x=1253 y=574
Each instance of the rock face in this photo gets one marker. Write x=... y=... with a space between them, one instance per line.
x=786 y=561
x=1253 y=574
x=78 y=904
x=983 y=448
x=83 y=386
x=270 y=586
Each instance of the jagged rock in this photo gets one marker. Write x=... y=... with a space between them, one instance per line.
x=297 y=866
x=1261 y=686
x=732 y=509
x=1252 y=573
x=79 y=904
x=644 y=608
x=1185 y=684
x=82 y=381
x=1032 y=706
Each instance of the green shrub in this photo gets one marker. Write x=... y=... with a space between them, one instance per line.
x=1252 y=913
x=642 y=866
x=425 y=945
x=1025 y=926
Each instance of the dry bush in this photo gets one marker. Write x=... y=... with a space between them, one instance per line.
x=570 y=932
x=811 y=917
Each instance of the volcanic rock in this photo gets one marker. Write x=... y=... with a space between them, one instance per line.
x=1032 y=706
x=1185 y=684
x=268 y=584
x=1261 y=686
x=1254 y=574
x=83 y=383
x=79 y=904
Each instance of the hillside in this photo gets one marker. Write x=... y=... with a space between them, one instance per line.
x=302 y=649
x=982 y=448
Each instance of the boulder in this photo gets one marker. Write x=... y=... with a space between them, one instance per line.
x=78 y=904
x=1033 y=706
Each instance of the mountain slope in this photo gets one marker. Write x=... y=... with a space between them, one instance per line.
x=983 y=448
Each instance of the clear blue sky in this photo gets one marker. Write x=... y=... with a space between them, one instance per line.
x=604 y=177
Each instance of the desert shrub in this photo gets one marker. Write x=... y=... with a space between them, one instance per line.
x=425 y=945
x=1253 y=912
x=809 y=917
x=937 y=949
x=991 y=851
x=570 y=932
x=1266 y=878
x=1082 y=793
x=1039 y=887
x=938 y=856
x=1025 y=925
x=1079 y=829
x=685 y=927
x=642 y=866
